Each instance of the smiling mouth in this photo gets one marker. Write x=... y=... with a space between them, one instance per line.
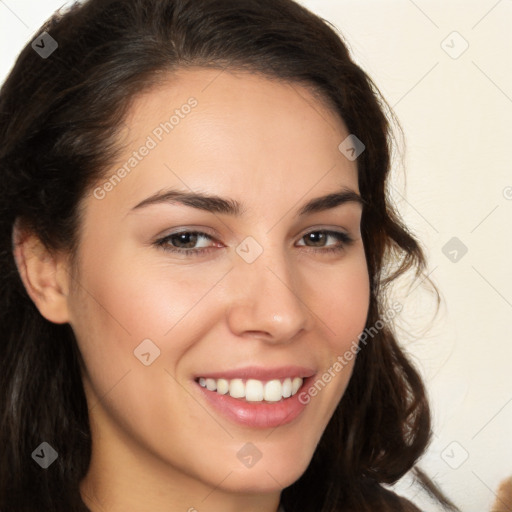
x=253 y=390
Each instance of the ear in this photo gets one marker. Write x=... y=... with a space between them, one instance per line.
x=44 y=274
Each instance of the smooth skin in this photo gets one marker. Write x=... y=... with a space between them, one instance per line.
x=271 y=146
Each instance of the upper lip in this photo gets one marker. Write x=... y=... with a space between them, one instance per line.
x=260 y=373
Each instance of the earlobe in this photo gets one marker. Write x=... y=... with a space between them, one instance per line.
x=44 y=275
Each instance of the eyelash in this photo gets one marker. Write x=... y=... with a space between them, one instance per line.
x=162 y=243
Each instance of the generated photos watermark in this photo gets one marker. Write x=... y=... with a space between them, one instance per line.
x=343 y=360
x=151 y=142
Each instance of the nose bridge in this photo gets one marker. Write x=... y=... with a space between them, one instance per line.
x=268 y=295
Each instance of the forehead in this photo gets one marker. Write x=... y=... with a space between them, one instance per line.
x=234 y=133
x=230 y=100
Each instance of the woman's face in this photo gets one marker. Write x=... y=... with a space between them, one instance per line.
x=268 y=296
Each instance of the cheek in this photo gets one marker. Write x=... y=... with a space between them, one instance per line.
x=342 y=297
x=135 y=299
x=116 y=307
x=342 y=308
x=122 y=301
x=120 y=304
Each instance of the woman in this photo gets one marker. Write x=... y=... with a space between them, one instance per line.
x=196 y=242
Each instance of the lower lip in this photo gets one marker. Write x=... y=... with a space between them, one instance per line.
x=257 y=414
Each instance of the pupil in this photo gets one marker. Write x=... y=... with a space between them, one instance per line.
x=188 y=239
x=318 y=236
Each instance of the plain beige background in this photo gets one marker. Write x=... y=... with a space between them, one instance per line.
x=445 y=67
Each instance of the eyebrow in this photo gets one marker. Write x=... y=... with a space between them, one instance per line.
x=227 y=206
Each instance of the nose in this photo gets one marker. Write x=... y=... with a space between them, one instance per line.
x=266 y=299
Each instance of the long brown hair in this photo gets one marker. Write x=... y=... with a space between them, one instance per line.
x=59 y=119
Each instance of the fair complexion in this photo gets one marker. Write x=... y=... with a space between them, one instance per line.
x=159 y=443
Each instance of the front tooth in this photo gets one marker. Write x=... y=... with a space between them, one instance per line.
x=287 y=388
x=237 y=388
x=222 y=386
x=296 y=384
x=273 y=391
x=254 y=390
x=211 y=384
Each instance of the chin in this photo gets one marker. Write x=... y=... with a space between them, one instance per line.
x=264 y=480
x=275 y=470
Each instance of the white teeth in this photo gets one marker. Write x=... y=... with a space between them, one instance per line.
x=222 y=386
x=273 y=391
x=296 y=384
x=211 y=384
x=287 y=388
x=237 y=388
x=254 y=390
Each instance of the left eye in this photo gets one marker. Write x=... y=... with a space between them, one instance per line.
x=185 y=242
